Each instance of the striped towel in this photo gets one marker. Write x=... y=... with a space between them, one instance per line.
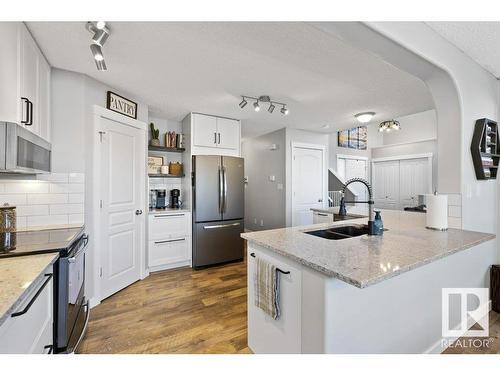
x=267 y=288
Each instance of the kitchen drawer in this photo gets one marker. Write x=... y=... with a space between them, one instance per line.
x=163 y=252
x=31 y=333
x=166 y=226
x=321 y=217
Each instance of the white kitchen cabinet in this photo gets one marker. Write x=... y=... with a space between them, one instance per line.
x=25 y=77
x=212 y=135
x=228 y=133
x=32 y=331
x=169 y=240
x=204 y=131
x=266 y=335
x=322 y=217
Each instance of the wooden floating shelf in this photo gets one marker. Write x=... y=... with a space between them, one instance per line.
x=165 y=149
x=166 y=175
x=481 y=144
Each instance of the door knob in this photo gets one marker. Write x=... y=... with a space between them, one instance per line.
x=138 y=212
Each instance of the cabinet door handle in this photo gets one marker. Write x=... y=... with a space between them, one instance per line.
x=215 y=138
x=219 y=138
x=165 y=241
x=25 y=100
x=176 y=215
x=30 y=106
x=221 y=226
x=25 y=310
x=320 y=214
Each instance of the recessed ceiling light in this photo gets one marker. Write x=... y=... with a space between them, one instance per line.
x=364 y=117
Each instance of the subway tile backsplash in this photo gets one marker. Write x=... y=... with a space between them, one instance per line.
x=53 y=199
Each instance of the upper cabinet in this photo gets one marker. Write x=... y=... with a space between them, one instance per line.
x=212 y=135
x=25 y=77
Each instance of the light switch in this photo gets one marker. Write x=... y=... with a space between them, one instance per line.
x=272 y=178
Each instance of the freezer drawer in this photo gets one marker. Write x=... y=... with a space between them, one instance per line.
x=217 y=242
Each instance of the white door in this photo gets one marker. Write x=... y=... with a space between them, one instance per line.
x=308 y=183
x=385 y=181
x=414 y=180
x=122 y=189
x=356 y=168
x=204 y=130
x=228 y=133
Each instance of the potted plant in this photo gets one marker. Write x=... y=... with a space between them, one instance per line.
x=155 y=135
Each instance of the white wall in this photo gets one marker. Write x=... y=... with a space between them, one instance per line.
x=416 y=127
x=265 y=199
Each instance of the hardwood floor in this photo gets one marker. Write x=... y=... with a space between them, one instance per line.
x=174 y=311
x=187 y=311
x=493 y=347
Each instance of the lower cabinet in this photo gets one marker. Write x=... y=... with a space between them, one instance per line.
x=169 y=240
x=266 y=335
x=321 y=217
x=29 y=330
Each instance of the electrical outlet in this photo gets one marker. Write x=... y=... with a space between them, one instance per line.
x=272 y=178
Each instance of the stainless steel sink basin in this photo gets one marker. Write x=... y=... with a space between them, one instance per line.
x=340 y=233
x=337 y=217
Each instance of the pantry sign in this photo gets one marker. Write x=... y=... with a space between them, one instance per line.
x=121 y=105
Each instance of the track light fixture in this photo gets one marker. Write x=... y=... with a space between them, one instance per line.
x=243 y=103
x=263 y=99
x=100 y=33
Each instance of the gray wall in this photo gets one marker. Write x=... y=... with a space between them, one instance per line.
x=263 y=198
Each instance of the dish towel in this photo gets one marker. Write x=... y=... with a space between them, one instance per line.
x=267 y=288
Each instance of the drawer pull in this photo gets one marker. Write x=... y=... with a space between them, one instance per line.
x=25 y=310
x=277 y=269
x=175 y=215
x=320 y=214
x=221 y=226
x=165 y=241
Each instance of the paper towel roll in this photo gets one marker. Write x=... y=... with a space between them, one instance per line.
x=437 y=211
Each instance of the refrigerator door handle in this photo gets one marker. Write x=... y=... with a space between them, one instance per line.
x=221 y=226
x=221 y=192
x=224 y=178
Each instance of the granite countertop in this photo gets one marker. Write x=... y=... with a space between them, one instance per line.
x=18 y=277
x=366 y=260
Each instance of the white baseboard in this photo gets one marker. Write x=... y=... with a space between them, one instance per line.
x=438 y=348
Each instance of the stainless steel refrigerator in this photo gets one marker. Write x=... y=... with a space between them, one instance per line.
x=218 y=209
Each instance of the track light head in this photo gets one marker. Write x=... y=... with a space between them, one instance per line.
x=101 y=65
x=243 y=103
x=256 y=106
x=100 y=33
x=100 y=25
x=98 y=56
x=284 y=110
x=271 y=108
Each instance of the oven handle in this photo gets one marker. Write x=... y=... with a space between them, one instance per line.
x=25 y=310
x=85 y=242
x=84 y=330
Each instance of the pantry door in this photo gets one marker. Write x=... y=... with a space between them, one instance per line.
x=121 y=146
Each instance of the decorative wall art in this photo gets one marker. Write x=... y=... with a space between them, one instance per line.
x=355 y=138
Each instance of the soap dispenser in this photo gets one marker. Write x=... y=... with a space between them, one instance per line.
x=378 y=225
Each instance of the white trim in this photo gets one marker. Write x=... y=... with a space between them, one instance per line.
x=311 y=146
x=100 y=112
x=404 y=157
x=353 y=157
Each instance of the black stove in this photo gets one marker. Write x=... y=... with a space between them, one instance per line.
x=39 y=242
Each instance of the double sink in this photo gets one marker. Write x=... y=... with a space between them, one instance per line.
x=340 y=233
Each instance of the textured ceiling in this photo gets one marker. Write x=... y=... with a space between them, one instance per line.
x=479 y=40
x=180 y=67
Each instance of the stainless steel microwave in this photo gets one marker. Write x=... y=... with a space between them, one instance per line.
x=21 y=151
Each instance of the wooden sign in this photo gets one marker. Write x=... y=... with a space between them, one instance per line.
x=121 y=105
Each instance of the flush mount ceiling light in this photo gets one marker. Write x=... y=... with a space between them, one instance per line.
x=364 y=117
x=263 y=99
x=100 y=33
x=387 y=126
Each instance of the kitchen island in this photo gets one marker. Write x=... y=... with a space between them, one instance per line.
x=365 y=294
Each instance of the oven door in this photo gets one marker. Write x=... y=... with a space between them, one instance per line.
x=72 y=310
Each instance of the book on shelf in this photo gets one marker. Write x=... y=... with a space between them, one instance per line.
x=174 y=140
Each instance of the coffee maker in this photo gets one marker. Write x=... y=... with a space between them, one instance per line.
x=161 y=201
x=174 y=198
